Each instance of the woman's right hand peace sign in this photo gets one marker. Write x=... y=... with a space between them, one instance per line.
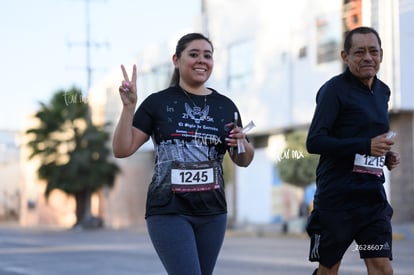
x=128 y=89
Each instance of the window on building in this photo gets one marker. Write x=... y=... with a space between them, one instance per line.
x=328 y=29
x=155 y=79
x=240 y=64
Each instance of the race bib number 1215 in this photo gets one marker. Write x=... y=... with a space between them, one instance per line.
x=369 y=164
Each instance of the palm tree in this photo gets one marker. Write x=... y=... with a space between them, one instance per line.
x=73 y=152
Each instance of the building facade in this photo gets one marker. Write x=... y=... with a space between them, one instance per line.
x=271 y=58
x=10 y=194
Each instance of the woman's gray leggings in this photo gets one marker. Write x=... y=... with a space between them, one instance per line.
x=187 y=245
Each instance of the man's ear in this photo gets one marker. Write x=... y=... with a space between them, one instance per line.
x=344 y=57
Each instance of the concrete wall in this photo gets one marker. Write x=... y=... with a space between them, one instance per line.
x=402 y=177
x=124 y=204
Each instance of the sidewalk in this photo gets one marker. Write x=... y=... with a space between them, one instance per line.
x=401 y=231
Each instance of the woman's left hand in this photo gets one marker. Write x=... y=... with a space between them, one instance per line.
x=234 y=135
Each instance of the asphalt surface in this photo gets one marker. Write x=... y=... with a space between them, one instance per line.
x=129 y=251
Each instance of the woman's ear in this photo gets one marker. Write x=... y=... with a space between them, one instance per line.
x=175 y=60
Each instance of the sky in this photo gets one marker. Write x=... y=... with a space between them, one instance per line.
x=43 y=44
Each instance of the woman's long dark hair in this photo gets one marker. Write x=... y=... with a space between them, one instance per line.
x=181 y=45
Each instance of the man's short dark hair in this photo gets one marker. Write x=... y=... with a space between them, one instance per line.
x=361 y=30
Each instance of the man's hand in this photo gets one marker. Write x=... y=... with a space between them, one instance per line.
x=380 y=145
x=392 y=159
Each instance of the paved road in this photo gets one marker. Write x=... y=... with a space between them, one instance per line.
x=125 y=252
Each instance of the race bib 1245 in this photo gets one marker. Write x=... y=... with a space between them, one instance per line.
x=194 y=176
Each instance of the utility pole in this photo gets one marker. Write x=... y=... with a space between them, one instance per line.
x=204 y=17
x=88 y=44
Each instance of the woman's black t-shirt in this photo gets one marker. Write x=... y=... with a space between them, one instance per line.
x=186 y=129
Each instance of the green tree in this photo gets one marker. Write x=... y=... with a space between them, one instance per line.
x=296 y=165
x=73 y=152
